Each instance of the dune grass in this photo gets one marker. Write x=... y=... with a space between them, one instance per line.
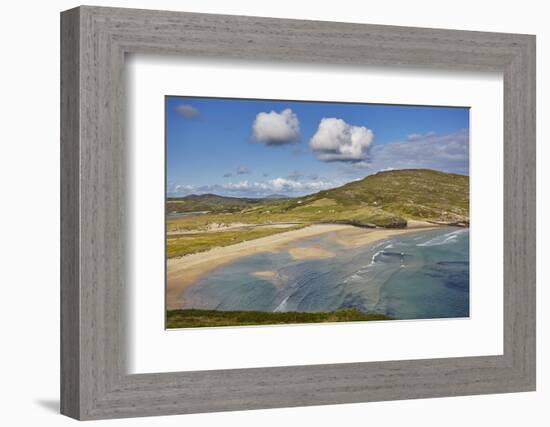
x=191 y=318
x=184 y=244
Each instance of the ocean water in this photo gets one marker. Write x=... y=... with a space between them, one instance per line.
x=421 y=275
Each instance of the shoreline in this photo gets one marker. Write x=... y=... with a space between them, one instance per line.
x=184 y=271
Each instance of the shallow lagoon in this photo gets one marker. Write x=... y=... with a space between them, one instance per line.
x=419 y=275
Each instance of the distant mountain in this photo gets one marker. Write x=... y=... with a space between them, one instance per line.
x=208 y=202
x=276 y=197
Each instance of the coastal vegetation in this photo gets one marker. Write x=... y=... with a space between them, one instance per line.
x=209 y=203
x=188 y=243
x=191 y=318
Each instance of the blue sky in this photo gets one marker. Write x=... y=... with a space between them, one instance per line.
x=255 y=148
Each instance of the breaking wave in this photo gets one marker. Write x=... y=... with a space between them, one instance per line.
x=445 y=238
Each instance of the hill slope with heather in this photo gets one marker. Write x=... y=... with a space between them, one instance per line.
x=385 y=199
x=418 y=194
x=208 y=202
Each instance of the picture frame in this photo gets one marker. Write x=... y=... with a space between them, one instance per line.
x=94 y=379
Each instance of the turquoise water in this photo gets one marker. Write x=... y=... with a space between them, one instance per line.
x=421 y=275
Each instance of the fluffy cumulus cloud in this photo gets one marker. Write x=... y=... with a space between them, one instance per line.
x=275 y=128
x=336 y=140
x=187 y=111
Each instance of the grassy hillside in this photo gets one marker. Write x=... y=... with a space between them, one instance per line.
x=409 y=194
x=208 y=318
x=384 y=199
x=208 y=202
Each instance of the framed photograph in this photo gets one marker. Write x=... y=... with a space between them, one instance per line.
x=351 y=226
x=262 y=213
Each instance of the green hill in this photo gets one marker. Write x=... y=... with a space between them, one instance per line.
x=385 y=199
x=419 y=194
x=208 y=202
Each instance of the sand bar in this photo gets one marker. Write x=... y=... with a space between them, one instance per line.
x=184 y=271
x=357 y=237
x=313 y=252
x=266 y=274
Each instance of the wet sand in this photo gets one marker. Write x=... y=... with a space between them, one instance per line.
x=184 y=271
x=266 y=274
x=313 y=252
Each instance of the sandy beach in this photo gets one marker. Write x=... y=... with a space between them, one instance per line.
x=184 y=271
x=356 y=237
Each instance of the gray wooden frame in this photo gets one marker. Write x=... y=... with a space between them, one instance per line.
x=94 y=382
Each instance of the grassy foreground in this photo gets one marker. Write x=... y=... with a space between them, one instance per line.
x=208 y=318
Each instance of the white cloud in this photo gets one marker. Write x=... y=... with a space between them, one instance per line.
x=276 y=128
x=448 y=152
x=246 y=188
x=419 y=136
x=179 y=189
x=278 y=185
x=336 y=140
x=242 y=185
x=187 y=111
